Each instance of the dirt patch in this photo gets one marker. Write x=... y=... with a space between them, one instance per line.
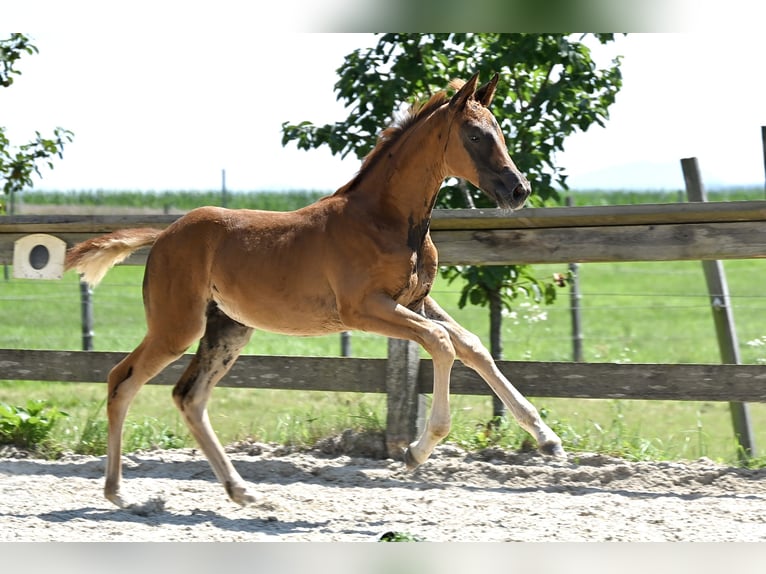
x=492 y=495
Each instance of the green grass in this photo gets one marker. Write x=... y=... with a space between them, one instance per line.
x=648 y=312
x=654 y=312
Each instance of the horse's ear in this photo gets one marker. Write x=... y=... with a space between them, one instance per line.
x=487 y=91
x=460 y=98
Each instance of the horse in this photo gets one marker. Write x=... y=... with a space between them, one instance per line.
x=359 y=259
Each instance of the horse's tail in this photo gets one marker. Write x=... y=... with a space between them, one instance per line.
x=94 y=257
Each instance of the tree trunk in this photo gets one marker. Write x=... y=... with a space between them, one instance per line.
x=466 y=194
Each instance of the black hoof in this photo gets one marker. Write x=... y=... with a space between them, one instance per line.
x=553 y=449
x=409 y=460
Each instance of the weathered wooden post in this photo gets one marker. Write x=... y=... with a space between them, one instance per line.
x=345 y=344
x=496 y=347
x=86 y=308
x=722 y=314
x=574 y=306
x=763 y=144
x=406 y=407
x=11 y=211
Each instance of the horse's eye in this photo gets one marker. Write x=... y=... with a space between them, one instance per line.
x=474 y=138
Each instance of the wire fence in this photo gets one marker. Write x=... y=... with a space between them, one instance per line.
x=631 y=312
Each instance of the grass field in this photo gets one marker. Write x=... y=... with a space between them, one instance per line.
x=632 y=312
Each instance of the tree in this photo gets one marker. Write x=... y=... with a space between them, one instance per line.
x=17 y=164
x=550 y=87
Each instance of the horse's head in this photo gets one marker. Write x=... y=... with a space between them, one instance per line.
x=476 y=148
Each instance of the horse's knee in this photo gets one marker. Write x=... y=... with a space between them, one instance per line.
x=440 y=345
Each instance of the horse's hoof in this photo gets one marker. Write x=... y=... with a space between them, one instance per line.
x=240 y=494
x=117 y=500
x=409 y=460
x=245 y=499
x=553 y=449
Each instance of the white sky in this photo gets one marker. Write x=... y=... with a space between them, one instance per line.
x=168 y=110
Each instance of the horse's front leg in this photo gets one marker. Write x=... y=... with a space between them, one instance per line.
x=438 y=425
x=472 y=353
x=381 y=315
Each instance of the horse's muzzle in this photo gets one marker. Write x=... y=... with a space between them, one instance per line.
x=513 y=191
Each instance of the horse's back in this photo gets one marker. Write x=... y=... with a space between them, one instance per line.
x=264 y=269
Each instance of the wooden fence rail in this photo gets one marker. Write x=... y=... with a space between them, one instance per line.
x=654 y=232
x=666 y=232
x=687 y=382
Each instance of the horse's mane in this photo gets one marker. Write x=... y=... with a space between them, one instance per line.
x=400 y=126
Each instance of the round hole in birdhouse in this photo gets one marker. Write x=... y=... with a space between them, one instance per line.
x=39 y=257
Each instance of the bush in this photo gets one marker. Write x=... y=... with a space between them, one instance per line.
x=29 y=426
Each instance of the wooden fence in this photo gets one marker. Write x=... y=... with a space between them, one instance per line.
x=683 y=231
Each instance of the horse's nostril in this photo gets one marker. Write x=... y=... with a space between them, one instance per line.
x=520 y=192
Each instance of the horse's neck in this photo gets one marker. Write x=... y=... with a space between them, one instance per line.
x=408 y=181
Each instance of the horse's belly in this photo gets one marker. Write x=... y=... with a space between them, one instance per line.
x=287 y=319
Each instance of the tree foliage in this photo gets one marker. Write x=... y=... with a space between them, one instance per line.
x=19 y=163
x=550 y=87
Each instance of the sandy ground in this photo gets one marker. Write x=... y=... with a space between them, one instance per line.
x=488 y=496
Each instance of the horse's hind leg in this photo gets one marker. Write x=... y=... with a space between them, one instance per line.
x=218 y=349
x=472 y=353
x=124 y=382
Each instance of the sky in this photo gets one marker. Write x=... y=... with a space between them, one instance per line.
x=170 y=109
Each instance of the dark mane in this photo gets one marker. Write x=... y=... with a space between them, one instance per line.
x=388 y=137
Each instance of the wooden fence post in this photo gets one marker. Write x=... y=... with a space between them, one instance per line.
x=86 y=312
x=763 y=144
x=496 y=347
x=722 y=314
x=406 y=407
x=574 y=306
x=345 y=344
